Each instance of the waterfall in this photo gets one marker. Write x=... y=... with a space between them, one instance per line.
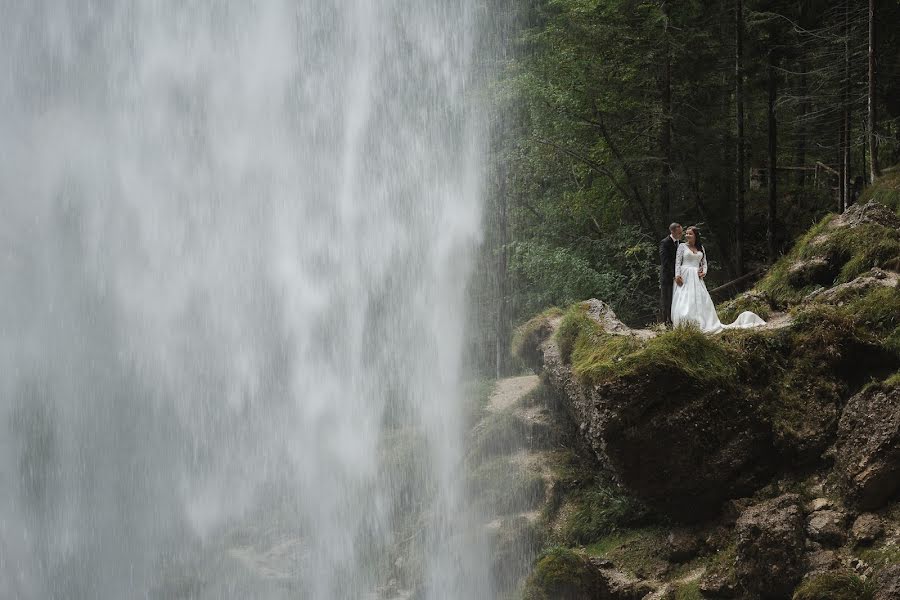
x=235 y=241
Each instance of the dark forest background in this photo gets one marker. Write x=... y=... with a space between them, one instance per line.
x=611 y=118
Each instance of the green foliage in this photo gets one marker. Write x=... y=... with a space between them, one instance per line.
x=834 y=586
x=599 y=511
x=689 y=591
x=561 y=574
x=880 y=556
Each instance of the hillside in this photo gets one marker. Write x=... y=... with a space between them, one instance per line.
x=753 y=464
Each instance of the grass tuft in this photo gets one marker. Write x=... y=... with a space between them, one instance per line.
x=834 y=586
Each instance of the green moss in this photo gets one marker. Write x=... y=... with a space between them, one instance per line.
x=881 y=556
x=775 y=284
x=599 y=511
x=597 y=356
x=526 y=334
x=886 y=190
x=851 y=252
x=688 y=591
x=561 y=574
x=833 y=586
x=639 y=552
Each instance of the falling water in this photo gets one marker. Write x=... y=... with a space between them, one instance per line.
x=235 y=238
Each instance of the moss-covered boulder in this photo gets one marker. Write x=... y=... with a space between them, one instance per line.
x=563 y=574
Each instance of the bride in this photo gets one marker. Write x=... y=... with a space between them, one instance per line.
x=690 y=300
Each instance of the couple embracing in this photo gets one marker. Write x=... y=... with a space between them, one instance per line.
x=683 y=295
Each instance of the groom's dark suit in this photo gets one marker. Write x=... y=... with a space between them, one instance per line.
x=668 y=248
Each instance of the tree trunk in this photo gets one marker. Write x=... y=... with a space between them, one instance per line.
x=874 y=170
x=773 y=159
x=802 y=130
x=739 y=158
x=665 y=191
x=845 y=181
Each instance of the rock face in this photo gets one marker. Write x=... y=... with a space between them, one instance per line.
x=770 y=547
x=868 y=447
x=679 y=447
x=867 y=528
x=887 y=584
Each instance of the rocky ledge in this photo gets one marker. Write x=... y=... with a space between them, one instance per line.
x=777 y=449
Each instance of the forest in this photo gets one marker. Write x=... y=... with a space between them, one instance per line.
x=610 y=119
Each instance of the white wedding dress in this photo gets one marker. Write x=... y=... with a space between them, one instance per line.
x=691 y=301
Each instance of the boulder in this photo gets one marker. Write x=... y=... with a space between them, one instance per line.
x=821 y=561
x=866 y=529
x=770 y=548
x=827 y=527
x=887 y=583
x=678 y=445
x=682 y=545
x=867 y=452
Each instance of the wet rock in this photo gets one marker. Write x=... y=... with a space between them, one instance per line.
x=868 y=447
x=827 y=527
x=887 y=583
x=866 y=529
x=770 y=549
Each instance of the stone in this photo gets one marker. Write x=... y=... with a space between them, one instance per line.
x=680 y=447
x=820 y=504
x=868 y=447
x=820 y=561
x=818 y=270
x=717 y=584
x=827 y=527
x=770 y=547
x=682 y=545
x=866 y=529
x=887 y=583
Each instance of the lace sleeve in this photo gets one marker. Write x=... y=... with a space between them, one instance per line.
x=679 y=258
x=703 y=262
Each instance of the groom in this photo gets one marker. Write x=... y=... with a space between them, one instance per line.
x=668 y=248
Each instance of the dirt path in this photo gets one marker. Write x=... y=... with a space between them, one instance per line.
x=508 y=391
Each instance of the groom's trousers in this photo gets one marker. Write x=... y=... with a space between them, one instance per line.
x=665 y=302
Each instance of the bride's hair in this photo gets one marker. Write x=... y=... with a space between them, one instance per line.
x=697 y=243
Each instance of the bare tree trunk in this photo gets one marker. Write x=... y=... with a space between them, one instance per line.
x=845 y=180
x=665 y=190
x=773 y=158
x=804 y=111
x=874 y=171
x=739 y=159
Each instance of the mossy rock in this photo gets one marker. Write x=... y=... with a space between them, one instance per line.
x=562 y=574
x=885 y=190
x=836 y=250
x=527 y=337
x=834 y=586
